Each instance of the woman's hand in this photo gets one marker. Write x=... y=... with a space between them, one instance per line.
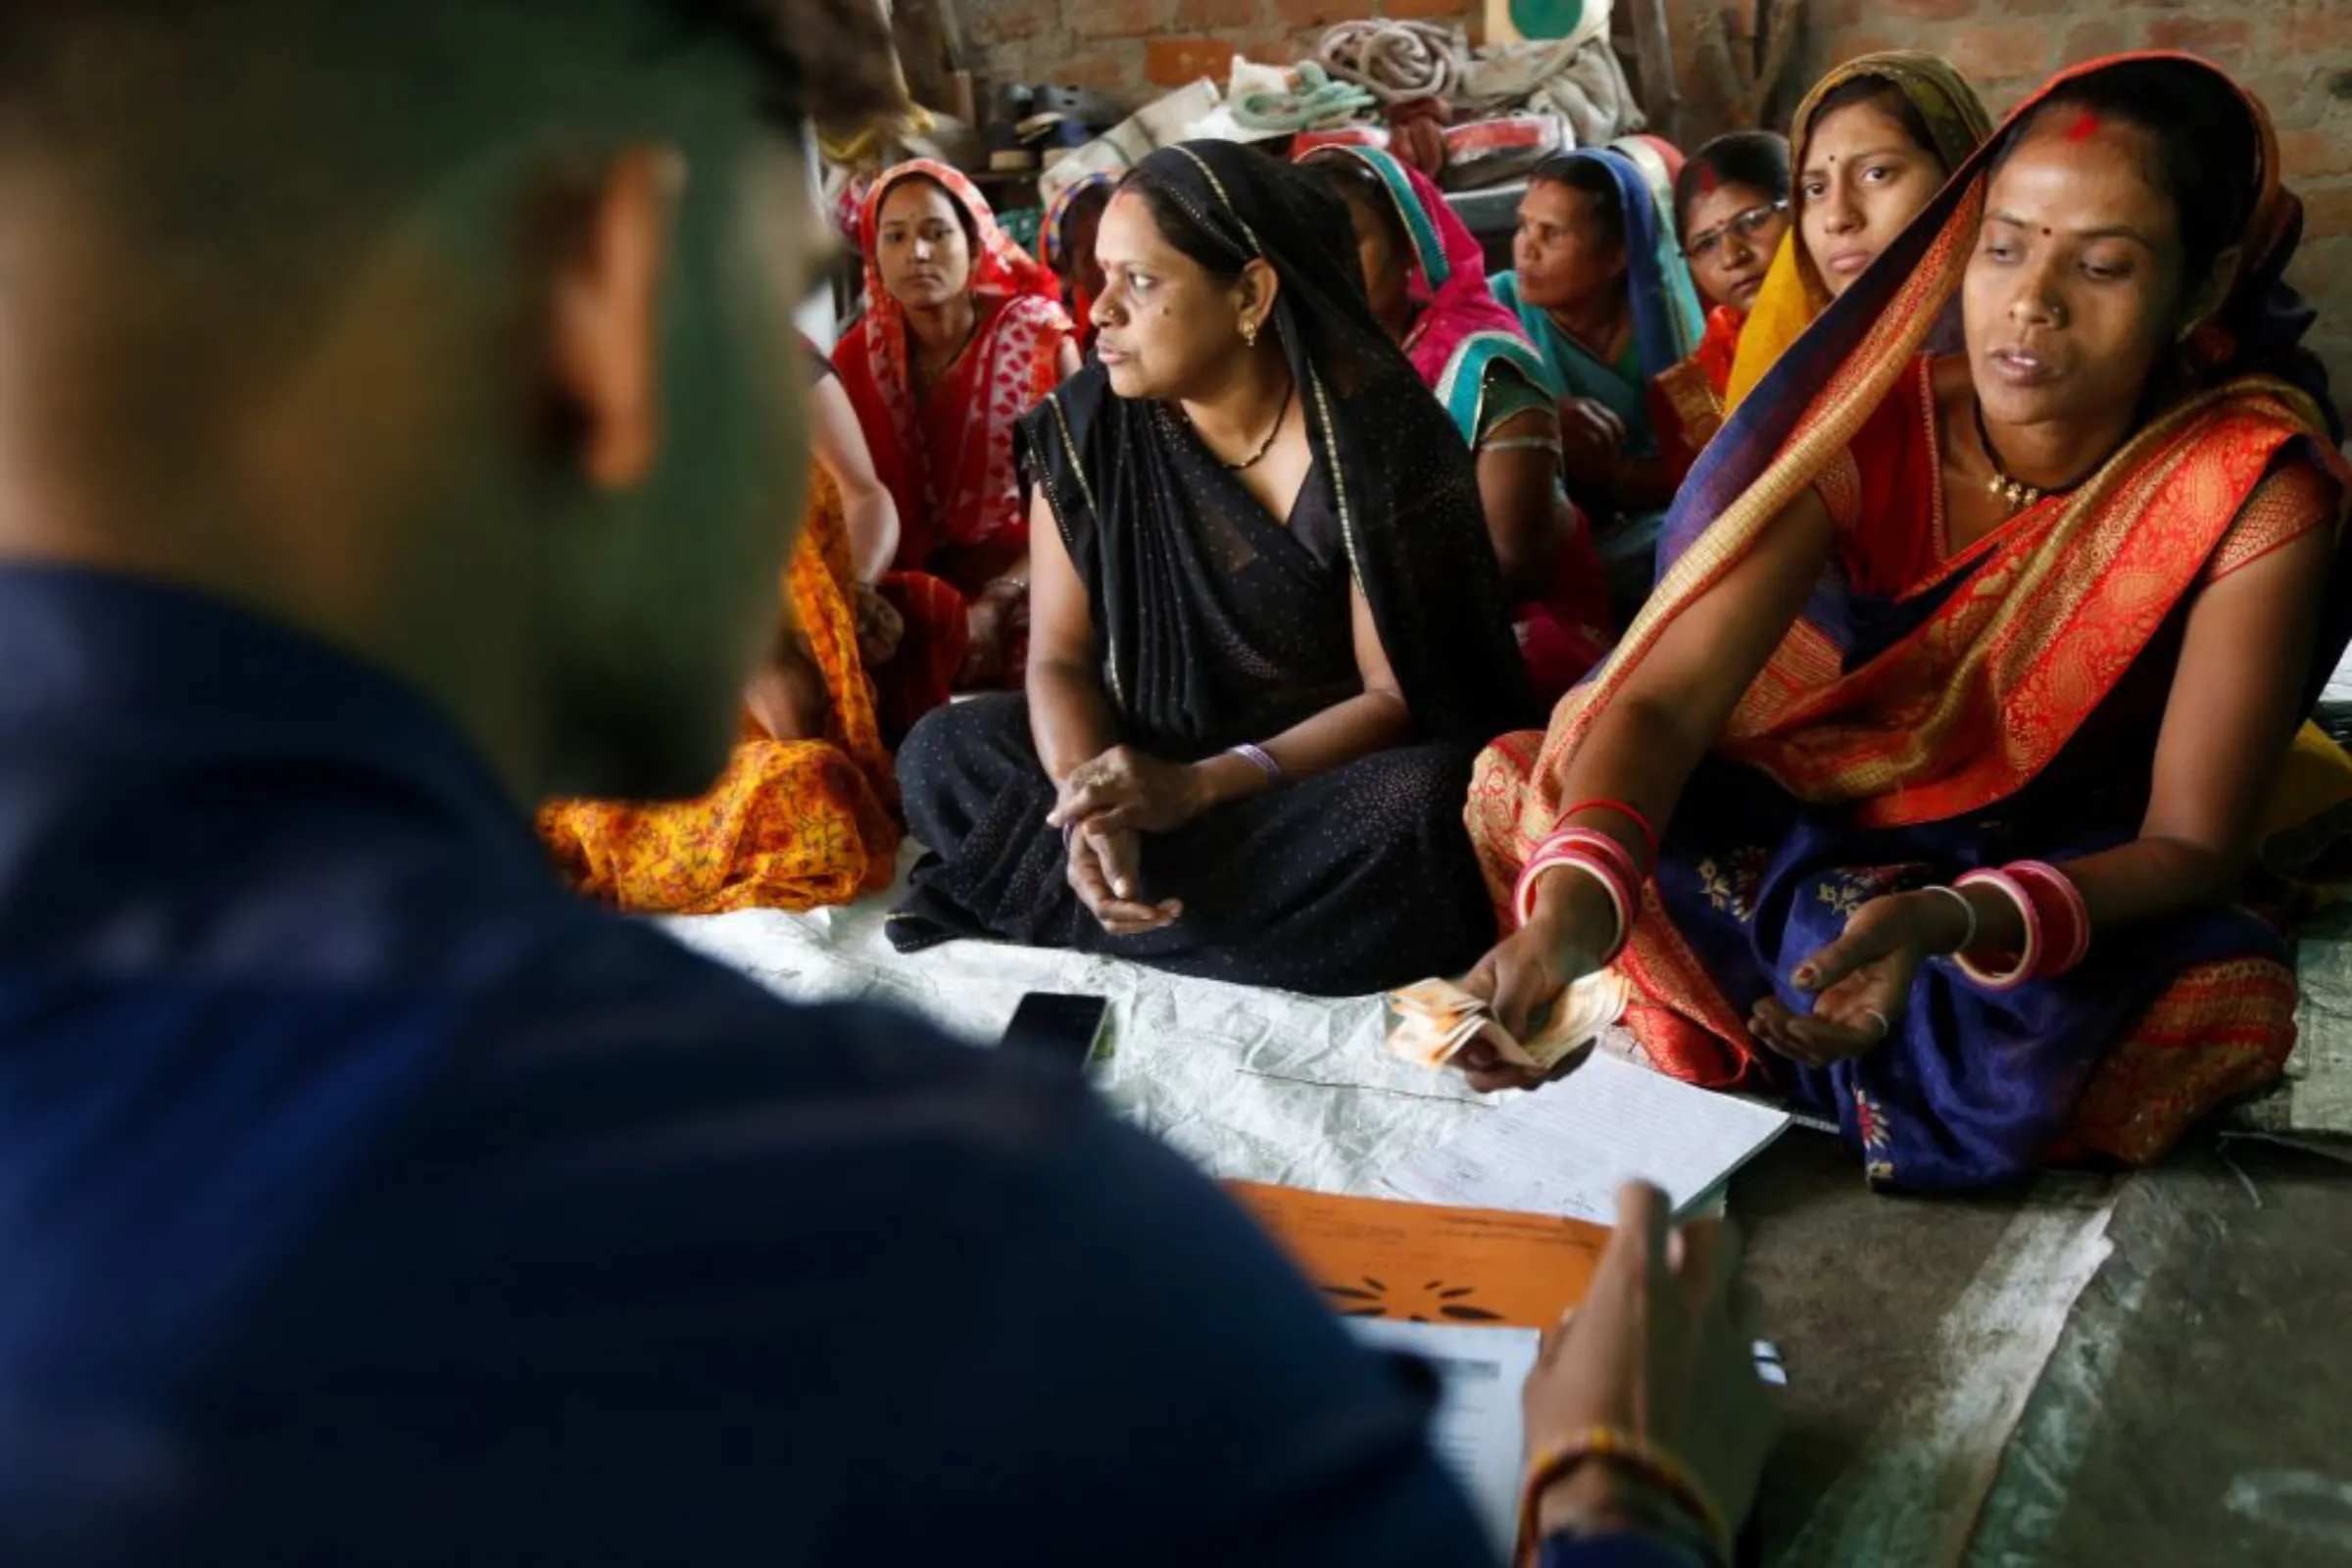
x=879 y=625
x=1591 y=439
x=1105 y=869
x=1860 y=982
x=1127 y=791
x=1657 y=1350
x=989 y=621
x=1528 y=972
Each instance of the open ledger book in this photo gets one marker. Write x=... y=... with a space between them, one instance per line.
x=1467 y=1290
x=1509 y=1224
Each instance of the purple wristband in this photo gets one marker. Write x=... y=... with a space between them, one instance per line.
x=1258 y=758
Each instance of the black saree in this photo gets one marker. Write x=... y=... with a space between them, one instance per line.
x=1216 y=624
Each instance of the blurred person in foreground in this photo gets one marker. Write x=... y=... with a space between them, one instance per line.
x=365 y=1197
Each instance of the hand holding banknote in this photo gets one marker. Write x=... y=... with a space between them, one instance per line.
x=1531 y=972
x=1439 y=1023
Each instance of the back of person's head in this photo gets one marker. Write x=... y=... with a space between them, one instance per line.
x=457 y=331
x=1756 y=159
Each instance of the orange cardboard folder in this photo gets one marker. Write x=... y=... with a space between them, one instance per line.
x=1423 y=1263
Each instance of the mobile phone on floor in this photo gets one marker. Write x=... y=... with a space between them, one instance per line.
x=1049 y=1024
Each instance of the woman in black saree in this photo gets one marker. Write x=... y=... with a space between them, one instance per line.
x=1267 y=628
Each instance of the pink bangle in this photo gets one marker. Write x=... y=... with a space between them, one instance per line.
x=2062 y=912
x=1624 y=808
x=2027 y=961
x=1607 y=850
x=1619 y=895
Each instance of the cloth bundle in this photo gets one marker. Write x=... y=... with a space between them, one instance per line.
x=1578 y=77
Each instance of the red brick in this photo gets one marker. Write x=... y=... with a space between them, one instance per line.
x=2091 y=40
x=1120 y=19
x=2223 y=38
x=1215 y=16
x=1014 y=21
x=1429 y=10
x=2313 y=154
x=1985 y=55
x=1927 y=10
x=2312 y=31
x=1280 y=49
x=1178 y=62
x=1855 y=45
x=1299 y=14
x=1101 y=71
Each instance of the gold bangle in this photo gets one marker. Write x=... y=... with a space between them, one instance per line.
x=1629 y=1450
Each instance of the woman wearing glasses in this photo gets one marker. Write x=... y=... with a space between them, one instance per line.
x=1731 y=207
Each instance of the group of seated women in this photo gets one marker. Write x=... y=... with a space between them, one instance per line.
x=1923 y=538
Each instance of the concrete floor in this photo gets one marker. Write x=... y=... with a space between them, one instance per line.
x=2151 y=1370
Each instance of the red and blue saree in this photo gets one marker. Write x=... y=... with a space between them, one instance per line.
x=1931 y=712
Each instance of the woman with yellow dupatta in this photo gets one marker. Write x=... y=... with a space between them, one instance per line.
x=802 y=816
x=1969 y=677
x=1872 y=141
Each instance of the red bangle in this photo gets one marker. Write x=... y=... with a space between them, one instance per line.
x=1626 y=809
x=2064 y=917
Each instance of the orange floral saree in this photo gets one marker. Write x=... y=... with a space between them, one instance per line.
x=790 y=824
x=1927 y=714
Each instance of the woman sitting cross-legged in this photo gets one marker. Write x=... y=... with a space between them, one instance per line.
x=1267 y=626
x=1969 y=678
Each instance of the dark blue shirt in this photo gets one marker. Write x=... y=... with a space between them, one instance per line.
x=365 y=1197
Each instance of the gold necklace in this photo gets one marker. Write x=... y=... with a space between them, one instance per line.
x=2019 y=494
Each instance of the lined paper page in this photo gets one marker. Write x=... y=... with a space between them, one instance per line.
x=1566 y=1148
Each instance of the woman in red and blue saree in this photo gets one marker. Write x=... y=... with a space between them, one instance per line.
x=1268 y=625
x=1594 y=291
x=1426 y=277
x=1969 y=677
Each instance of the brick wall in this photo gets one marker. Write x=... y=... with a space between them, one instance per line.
x=2298 y=54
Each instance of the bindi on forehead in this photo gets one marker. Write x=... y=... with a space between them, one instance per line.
x=2086 y=126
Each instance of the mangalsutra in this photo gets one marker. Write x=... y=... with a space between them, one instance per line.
x=2016 y=492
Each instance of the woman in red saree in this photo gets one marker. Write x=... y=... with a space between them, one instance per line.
x=1731 y=209
x=1969 y=678
x=962 y=334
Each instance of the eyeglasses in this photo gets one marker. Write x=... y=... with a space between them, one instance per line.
x=1748 y=225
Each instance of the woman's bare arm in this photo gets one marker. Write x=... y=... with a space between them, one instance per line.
x=1515 y=488
x=1070 y=714
x=868 y=512
x=1676 y=700
x=2237 y=699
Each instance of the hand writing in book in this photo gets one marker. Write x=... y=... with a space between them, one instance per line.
x=1657 y=1350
